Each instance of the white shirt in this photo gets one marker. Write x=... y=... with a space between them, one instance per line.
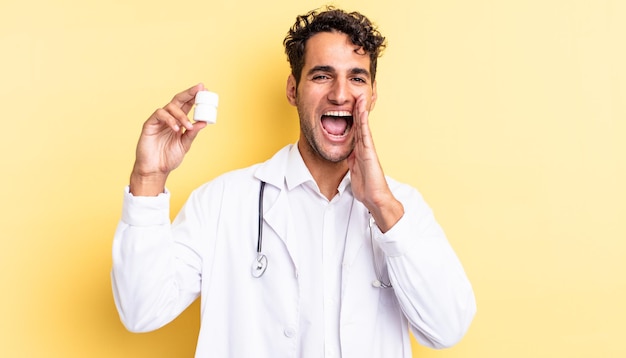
x=300 y=307
x=323 y=227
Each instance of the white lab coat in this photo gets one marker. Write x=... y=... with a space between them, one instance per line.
x=158 y=270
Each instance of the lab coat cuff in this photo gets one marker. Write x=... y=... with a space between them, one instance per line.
x=397 y=240
x=146 y=210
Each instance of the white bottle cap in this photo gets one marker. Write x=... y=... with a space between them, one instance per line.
x=206 y=107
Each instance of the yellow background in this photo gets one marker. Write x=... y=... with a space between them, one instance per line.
x=509 y=116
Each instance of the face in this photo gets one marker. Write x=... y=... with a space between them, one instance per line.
x=333 y=77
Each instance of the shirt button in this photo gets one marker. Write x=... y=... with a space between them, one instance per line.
x=289 y=332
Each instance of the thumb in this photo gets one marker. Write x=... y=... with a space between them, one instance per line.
x=190 y=135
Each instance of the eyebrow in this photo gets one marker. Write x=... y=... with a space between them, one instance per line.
x=321 y=69
x=353 y=71
x=360 y=71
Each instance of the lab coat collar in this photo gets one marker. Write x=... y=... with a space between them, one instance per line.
x=297 y=172
x=273 y=170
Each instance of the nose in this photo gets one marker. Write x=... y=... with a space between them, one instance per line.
x=340 y=92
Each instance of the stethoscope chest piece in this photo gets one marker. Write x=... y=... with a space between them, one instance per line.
x=259 y=265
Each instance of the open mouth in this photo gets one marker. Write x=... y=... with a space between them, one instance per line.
x=337 y=123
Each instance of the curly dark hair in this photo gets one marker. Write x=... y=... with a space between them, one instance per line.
x=359 y=29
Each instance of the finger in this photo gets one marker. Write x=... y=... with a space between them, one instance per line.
x=358 y=112
x=179 y=115
x=163 y=116
x=174 y=114
x=185 y=99
x=190 y=135
x=362 y=121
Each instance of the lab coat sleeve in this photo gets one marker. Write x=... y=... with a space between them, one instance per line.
x=156 y=271
x=428 y=279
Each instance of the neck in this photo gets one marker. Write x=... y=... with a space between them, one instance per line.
x=326 y=174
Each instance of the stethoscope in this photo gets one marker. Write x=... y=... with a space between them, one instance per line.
x=259 y=265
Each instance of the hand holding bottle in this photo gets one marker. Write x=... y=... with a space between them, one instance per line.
x=165 y=138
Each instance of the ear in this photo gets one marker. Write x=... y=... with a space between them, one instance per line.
x=291 y=90
x=374 y=96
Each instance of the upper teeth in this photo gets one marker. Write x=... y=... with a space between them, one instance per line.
x=338 y=113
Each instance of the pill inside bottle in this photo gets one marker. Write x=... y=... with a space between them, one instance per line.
x=206 y=107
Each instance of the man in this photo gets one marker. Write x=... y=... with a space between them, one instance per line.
x=312 y=253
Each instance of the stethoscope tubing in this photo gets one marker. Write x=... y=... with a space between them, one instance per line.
x=259 y=243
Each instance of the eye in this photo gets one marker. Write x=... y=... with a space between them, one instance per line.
x=320 y=77
x=359 y=80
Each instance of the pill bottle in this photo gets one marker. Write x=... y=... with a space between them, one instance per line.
x=206 y=107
